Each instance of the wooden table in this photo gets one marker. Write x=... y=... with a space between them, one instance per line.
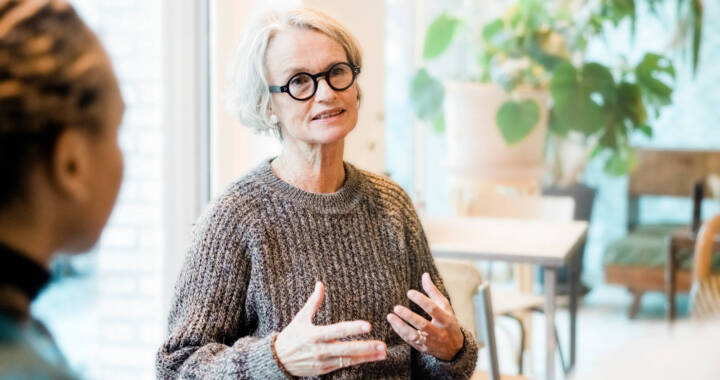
x=551 y=245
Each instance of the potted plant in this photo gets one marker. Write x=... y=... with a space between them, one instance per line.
x=529 y=74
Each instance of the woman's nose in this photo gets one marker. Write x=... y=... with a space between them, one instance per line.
x=324 y=91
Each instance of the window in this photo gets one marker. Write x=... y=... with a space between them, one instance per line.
x=107 y=308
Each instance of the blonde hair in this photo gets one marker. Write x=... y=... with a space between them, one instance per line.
x=248 y=95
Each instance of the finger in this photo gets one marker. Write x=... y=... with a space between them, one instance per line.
x=405 y=331
x=333 y=364
x=341 y=330
x=354 y=348
x=359 y=359
x=412 y=318
x=432 y=291
x=312 y=305
x=430 y=307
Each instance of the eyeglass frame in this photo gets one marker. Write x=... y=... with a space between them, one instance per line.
x=286 y=88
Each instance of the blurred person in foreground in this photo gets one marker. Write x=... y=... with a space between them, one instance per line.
x=61 y=166
x=309 y=266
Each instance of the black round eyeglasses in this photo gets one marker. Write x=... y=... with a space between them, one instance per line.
x=302 y=86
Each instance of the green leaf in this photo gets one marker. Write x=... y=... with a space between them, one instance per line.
x=647 y=130
x=535 y=47
x=697 y=24
x=556 y=126
x=630 y=103
x=616 y=165
x=517 y=119
x=617 y=10
x=599 y=148
x=491 y=29
x=656 y=75
x=438 y=123
x=572 y=93
x=439 y=35
x=597 y=79
x=426 y=95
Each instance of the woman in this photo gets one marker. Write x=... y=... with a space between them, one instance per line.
x=308 y=226
x=60 y=108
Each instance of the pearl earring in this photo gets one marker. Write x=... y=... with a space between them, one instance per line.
x=274 y=119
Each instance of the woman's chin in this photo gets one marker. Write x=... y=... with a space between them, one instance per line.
x=329 y=134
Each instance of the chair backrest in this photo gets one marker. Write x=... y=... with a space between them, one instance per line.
x=550 y=208
x=705 y=292
x=662 y=172
x=463 y=283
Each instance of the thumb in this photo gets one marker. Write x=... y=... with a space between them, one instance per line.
x=316 y=299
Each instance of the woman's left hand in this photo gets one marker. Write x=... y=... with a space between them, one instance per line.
x=441 y=337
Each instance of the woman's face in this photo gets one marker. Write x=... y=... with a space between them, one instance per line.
x=329 y=115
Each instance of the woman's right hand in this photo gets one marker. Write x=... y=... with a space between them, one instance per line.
x=305 y=349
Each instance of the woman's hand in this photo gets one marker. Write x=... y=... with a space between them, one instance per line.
x=308 y=350
x=440 y=337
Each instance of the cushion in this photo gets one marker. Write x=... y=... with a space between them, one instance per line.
x=647 y=246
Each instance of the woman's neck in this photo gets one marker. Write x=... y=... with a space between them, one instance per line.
x=315 y=169
x=30 y=240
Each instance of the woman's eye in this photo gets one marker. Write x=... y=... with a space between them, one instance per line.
x=337 y=71
x=299 y=80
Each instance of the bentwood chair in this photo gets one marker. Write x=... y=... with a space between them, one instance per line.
x=705 y=291
x=463 y=283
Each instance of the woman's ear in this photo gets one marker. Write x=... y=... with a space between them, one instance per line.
x=70 y=165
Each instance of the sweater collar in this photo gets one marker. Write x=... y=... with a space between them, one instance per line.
x=340 y=201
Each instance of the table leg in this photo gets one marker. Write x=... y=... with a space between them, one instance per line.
x=550 y=283
x=670 y=270
x=574 y=280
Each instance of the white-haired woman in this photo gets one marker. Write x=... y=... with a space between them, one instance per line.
x=309 y=266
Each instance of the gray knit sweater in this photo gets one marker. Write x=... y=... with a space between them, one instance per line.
x=255 y=256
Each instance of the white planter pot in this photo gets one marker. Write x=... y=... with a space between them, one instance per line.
x=476 y=149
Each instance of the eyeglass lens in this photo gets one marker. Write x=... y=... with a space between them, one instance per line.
x=339 y=77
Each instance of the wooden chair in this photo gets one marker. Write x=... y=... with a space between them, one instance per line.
x=463 y=283
x=705 y=292
x=638 y=260
x=517 y=304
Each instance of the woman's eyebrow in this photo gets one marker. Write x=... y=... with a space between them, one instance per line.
x=294 y=70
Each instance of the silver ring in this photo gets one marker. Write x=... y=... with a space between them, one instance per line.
x=342 y=362
x=420 y=337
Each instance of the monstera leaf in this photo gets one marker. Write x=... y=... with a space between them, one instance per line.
x=656 y=75
x=580 y=96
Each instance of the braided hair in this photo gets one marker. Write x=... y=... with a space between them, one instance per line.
x=50 y=80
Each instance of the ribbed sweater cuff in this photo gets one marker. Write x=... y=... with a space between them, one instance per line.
x=461 y=366
x=260 y=361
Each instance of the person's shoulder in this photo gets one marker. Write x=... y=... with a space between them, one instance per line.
x=27 y=351
x=386 y=192
x=237 y=205
x=19 y=361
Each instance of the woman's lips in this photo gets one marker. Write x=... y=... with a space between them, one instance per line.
x=331 y=114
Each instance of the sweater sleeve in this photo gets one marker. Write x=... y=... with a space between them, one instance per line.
x=421 y=261
x=208 y=324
